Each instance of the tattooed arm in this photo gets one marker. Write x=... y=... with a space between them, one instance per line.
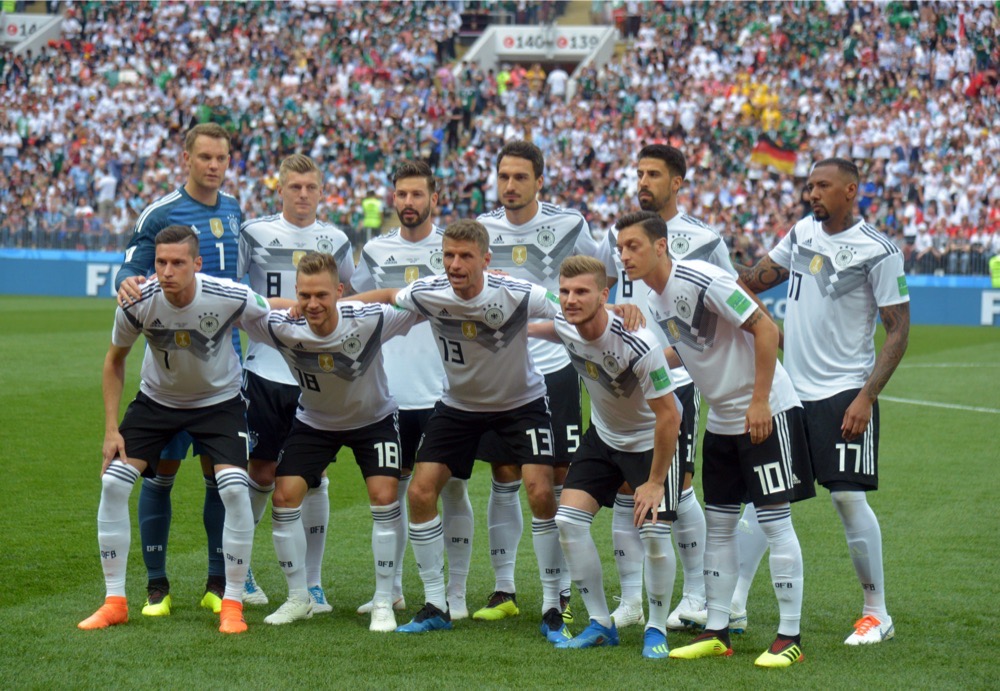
x=896 y=320
x=762 y=275
x=765 y=347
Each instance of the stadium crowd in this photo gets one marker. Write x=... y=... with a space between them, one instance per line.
x=93 y=124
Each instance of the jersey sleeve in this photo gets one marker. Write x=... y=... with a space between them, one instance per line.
x=243 y=253
x=404 y=298
x=586 y=244
x=720 y=258
x=653 y=371
x=345 y=262
x=888 y=281
x=362 y=279
x=729 y=301
x=127 y=326
x=398 y=321
x=141 y=250
x=255 y=308
x=542 y=304
x=257 y=329
x=781 y=254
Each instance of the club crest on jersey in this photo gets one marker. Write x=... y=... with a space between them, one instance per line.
x=494 y=317
x=324 y=245
x=182 y=339
x=209 y=323
x=234 y=225
x=680 y=245
x=215 y=225
x=611 y=364
x=592 y=371
x=469 y=330
x=843 y=257
x=410 y=274
x=683 y=308
x=325 y=361
x=816 y=265
x=352 y=346
x=519 y=254
x=297 y=256
x=546 y=238
x=437 y=260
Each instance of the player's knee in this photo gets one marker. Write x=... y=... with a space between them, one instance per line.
x=115 y=490
x=383 y=493
x=503 y=472
x=262 y=472
x=455 y=490
x=421 y=496
x=542 y=500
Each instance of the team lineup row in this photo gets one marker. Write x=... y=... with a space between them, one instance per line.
x=316 y=381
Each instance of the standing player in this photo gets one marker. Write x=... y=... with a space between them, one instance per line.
x=190 y=380
x=480 y=322
x=335 y=351
x=269 y=250
x=529 y=240
x=395 y=260
x=840 y=273
x=632 y=438
x=216 y=217
x=755 y=441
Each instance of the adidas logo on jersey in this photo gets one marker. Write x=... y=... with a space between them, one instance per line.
x=274 y=243
x=498 y=239
x=390 y=260
x=157 y=324
x=298 y=346
x=444 y=313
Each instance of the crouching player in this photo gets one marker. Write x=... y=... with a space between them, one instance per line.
x=190 y=382
x=632 y=438
x=335 y=353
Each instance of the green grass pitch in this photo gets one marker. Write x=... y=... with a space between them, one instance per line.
x=937 y=510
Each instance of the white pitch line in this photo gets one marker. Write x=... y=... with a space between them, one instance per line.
x=952 y=406
x=949 y=365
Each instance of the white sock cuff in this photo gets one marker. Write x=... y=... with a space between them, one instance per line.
x=566 y=515
x=285 y=514
x=624 y=502
x=163 y=482
x=387 y=513
x=256 y=487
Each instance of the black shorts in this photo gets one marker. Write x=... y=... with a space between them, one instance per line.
x=839 y=464
x=687 y=441
x=220 y=430
x=599 y=470
x=452 y=436
x=775 y=471
x=308 y=451
x=563 y=387
x=271 y=410
x=411 y=429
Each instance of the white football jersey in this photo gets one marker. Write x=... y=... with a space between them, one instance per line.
x=701 y=311
x=189 y=360
x=621 y=370
x=390 y=261
x=534 y=251
x=484 y=341
x=269 y=250
x=341 y=376
x=836 y=284
x=687 y=238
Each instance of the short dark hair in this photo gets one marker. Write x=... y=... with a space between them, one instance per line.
x=415 y=169
x=654 y=226
x=176 y=234
x=670 y=155
x=846 y=167
x=316 y=263
x=525 y=150
x=467 y=230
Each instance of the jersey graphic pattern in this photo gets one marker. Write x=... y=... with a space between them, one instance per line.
x=535 y=251
x=354 y=357
x=618 y=380
x=834 y=282
x=395 y=263
x=694 y=325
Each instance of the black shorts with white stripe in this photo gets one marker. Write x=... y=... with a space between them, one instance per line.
x=837 y=463
x=778 y=470
x=687 y=440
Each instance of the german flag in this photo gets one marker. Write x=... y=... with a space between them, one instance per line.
x=767 y=153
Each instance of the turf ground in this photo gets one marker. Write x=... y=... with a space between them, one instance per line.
x=937 y=510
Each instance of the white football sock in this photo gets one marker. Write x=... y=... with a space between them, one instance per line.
x=459 y=527
x=721 y=562
x=864 y=541
x=404 y=535
x=628 y=548
x=505 y=524
x=752 y=544
x=786 y=565
x=387 y=528
x=565 y=583
x=689 y=533
x=259 y=495
x=427 y=540
x=315 y=518
x=548 y=553
x=114 y=529
x=237 y=530
x=660 y=571
x=584 y=562
x=290 y=546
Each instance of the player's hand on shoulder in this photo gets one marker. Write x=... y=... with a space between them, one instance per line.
x=758 y=421
x=631 y=316
x=130 y=290
x=857 y=417
x=114 y=447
